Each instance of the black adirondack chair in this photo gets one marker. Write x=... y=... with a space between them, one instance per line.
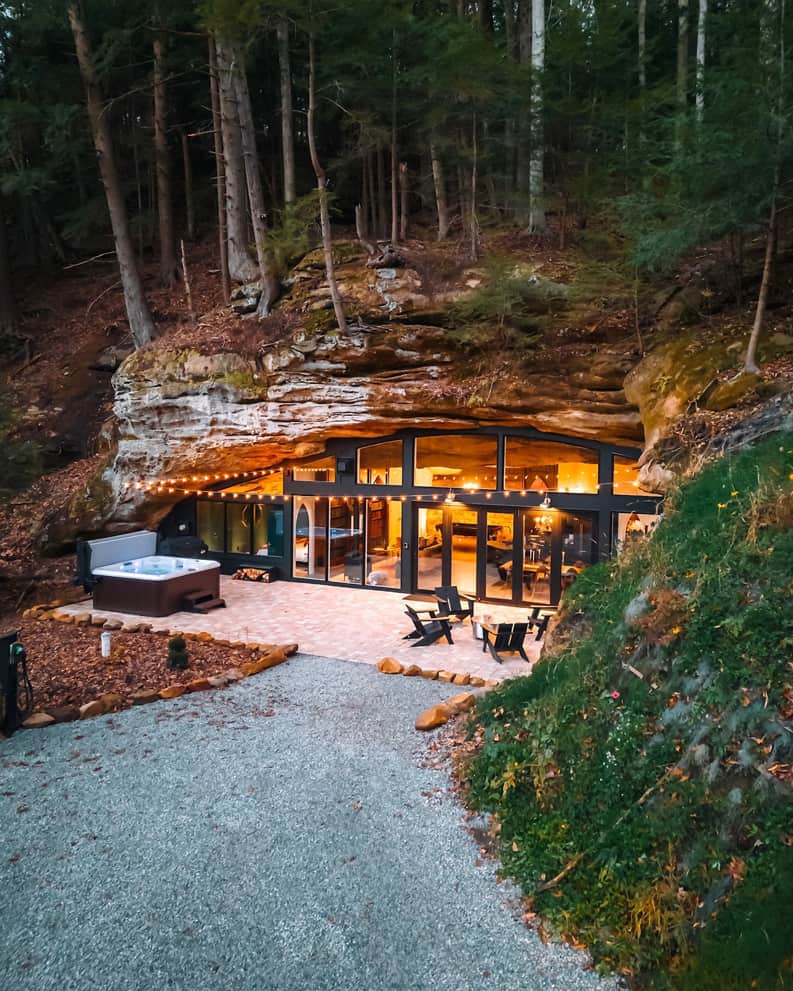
x=427 y=631
x=541 y=626
x=506 y=638
x=450 y=602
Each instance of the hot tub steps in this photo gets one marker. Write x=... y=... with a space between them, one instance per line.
x=202 y=602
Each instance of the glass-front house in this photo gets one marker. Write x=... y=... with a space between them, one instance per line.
x=508 y=515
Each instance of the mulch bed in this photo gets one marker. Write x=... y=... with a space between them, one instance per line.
x=66 y=667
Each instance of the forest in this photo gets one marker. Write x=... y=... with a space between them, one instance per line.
x=642 y=128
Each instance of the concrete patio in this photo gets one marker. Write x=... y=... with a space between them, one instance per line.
x=350 y=624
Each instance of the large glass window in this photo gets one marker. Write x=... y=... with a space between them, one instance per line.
x=430 y=548
x=383 y=542
x=319 y=470
x=238 y=528
x=465 y=526
x=500 y=550
x=628 y=529
x=456 y=461
x=578 y=546
x=346 y=541
x=268 y=530
x=547 y=466
x=309 y=555
x=537 y=540
x=210 y=518
x=626 y=477
x=380 y=464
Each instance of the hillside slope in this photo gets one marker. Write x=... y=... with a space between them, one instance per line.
x=642 y=777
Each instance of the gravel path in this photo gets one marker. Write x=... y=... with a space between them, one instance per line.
x=278 y=835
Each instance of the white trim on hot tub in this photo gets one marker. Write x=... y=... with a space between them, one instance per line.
x=185 y=566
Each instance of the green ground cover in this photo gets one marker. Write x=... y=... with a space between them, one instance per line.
x=641 y=778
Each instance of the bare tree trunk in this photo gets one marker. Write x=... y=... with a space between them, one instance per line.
x=287 y=121
x=140 y=322
x=642 y=45
x=486 y=16
x=169 y=268
x=241 y=266
x=474 y=177
x=220 y=171
x=364 y=217
x=324 y=212
x=440 y=193
x=394 y=194
x=231 y=58
x=360 y=230
x=750 y=364
x=701 y=39
x=138 y=189
x=382 y=213
x=373 y=227
x=522 y=158
x=536 y=165
x=403 y=200
x=187 y=166
x=682 y=56
x=394 y=154
x=8 y=308
x=187 y=291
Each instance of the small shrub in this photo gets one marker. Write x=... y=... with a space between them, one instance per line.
x=177 y=654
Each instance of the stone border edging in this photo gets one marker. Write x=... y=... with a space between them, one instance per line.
x=270 y=656
x=389 y=665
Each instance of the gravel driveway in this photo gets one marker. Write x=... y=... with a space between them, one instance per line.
x=281 y=834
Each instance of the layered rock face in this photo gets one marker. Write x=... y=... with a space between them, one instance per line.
x=179 y=411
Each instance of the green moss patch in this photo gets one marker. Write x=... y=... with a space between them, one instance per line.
x=641 y=779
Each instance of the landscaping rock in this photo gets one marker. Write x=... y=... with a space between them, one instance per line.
x=429 y=673
x=62 y=617
x=172 y=691
x=198 y=685
x=446 y=676
x=492 y=683
x=207 y=638
x=412 y=671
x=290 y=649
x=461 y=702
x=111 y=701
x=477 y=682
x=143 y=698
x=438 y=715
x=233 y=674
x=130 y=628
x=82 y=619
x=217 y=681
x=91 y=709
x=63 y=713
x=98 y=621
x=389 y=665
x=112 y=624
x=38 y=720
x=462 y=679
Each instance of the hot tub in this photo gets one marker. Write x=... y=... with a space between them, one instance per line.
x=154 y=585
x=125 y=574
